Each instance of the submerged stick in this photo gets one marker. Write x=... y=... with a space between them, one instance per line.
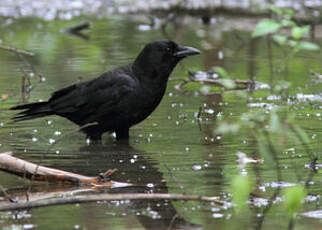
x=108 y=197
x=79 y=28
x=25 y=169
x=243 y=84
x=15 y=50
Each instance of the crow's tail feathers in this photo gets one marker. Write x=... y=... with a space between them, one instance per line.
x=31 y=111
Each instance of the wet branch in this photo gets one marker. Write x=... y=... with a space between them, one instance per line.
x=107 y=197
x=15 y=50
x=25 y=169
x=240 y=84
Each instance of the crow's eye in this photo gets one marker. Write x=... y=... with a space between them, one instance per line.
x=169 y=50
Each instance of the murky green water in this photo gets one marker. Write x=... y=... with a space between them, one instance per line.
x=170 y=149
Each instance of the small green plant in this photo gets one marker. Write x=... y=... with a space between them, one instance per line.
x=285 y=31
x=241 y=187
x=293 y=199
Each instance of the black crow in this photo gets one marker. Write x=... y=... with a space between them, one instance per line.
x=117 y=99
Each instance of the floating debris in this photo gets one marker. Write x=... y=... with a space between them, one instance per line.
x=196 y=167
x=243 y=160
x=261 y=105
x=200 y=75
x=308 y=97
x=317 y=214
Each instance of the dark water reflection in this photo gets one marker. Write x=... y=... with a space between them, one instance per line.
x=171 y=151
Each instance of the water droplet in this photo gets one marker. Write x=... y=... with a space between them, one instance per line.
x=187 y=149
x=132 y=161
x=1 y=124
x=57 y=133
x=196 y=167
x=51 y=141
x=28 y=226
x=57 y=152
x=35 y=130
x=170 y=94
x=209 y=111
x=217 y=215
x=220 y=55
x=31 y=74
x=49 y=122
x=88 y=141
x=150 y=185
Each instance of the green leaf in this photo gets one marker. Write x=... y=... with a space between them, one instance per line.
x=288 y=13
x=288 y=23
x=221 y=71
x=227 y=83
x=280 y=39
x=276 y=10
x=265 y=27
x=264 y=149
x=303 y=45
x=274 y=123
x=205 y=89
x=301 y=134
x=241 y=186
x=298 y=32
x=293 y=198
x=227 y=128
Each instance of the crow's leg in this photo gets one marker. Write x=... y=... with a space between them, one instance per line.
x=94 y=133
x=122 y=134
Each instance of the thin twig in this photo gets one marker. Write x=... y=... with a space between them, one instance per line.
x=216 y=82
x=108 y=197
x=15 y=50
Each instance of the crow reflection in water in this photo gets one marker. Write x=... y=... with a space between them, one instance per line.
x=118 y=99
x=134 y=166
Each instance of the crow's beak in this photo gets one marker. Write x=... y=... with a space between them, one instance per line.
x=184 y=51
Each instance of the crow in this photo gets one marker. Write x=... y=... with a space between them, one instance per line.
x=118 y=99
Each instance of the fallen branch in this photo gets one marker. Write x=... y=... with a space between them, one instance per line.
x=78 y=28
x=108 y=197
x=25 y=169
x=15 y=50
x=240 y=84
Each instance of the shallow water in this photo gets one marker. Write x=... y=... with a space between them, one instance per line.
x=171 y=150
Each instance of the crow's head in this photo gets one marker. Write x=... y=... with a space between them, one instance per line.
x=158 y=58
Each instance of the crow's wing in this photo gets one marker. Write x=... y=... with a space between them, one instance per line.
x=81 y=102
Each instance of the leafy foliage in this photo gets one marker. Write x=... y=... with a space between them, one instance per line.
x=281 y=26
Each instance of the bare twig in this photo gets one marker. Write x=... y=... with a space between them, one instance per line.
x=15 y=50
x=243 y=84
x=108 y=197
x=78 y=28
